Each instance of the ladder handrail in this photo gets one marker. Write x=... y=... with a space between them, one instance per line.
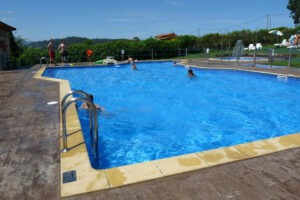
x=93 y=129
x=41 y=60
x=86 y=95
x=71 y=93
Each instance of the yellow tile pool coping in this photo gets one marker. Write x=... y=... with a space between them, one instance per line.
x=89 y=179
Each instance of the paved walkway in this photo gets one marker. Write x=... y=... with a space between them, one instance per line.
x=30 y=157
x=29 y=149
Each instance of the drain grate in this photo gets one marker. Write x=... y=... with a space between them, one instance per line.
x=69 y=176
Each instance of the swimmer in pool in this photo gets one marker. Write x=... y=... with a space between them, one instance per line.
x=190 y=72
x=86 y=105
x=133 y=66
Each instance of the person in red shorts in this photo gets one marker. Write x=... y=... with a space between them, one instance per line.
x=51 y=52
x=89 y=53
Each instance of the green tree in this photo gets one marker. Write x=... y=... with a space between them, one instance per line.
x=187 y=41
x=136 y=39
x=16 y=45
x=77 y=52
x=294 y=7
x=31 y=56
x=88 y=42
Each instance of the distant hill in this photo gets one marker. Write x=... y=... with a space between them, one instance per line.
x=68 y=41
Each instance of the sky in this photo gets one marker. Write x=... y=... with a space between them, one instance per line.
x=37 y=20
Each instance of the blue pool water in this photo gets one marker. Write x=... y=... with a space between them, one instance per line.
x=158 y=112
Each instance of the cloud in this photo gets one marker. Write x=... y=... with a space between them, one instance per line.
x=4 y=15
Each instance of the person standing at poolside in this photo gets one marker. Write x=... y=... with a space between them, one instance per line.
x=63 y=51
x=51 y=52
x=89 y=53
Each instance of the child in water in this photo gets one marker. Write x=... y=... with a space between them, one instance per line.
x=190 y=72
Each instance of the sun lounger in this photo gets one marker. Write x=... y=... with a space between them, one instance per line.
x=284 y=43
x=292 y=46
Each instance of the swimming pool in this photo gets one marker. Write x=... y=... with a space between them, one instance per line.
x=158 y=112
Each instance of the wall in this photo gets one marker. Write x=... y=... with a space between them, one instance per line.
x=4 y=49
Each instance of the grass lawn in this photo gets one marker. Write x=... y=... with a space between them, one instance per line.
x=295 y=62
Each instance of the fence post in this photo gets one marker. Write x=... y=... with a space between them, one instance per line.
x=271 y=57
x=206 y=52
x=254 y=58
x=152 y=54
x=122 y=53
x=77 y=55
x=290 y=57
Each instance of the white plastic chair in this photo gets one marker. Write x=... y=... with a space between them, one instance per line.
x=258 y=46
x=251 y=47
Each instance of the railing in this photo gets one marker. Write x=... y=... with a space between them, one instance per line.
x=92 y=117
x=41 y=61
x=266 y=57
x=71 y=93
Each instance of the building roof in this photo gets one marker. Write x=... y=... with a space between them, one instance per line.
x=6 y=27
x=167 y=36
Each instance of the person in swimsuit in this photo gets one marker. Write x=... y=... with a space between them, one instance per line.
x=51 y=52
x=86 y=105
x=63 y=51
x=190 y=72
x=133 y=65
x=89 y=53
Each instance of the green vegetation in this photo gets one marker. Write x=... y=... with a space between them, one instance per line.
x=194 y=47
x=294 y=7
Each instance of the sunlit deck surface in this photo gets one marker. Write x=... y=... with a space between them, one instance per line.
x=30 y=154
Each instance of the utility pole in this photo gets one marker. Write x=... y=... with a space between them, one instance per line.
x=267 y=21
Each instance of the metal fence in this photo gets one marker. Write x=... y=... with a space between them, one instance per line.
x=268 y=56
x=121 y=55
x=272 y=57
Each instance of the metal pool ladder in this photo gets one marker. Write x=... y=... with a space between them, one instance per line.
x=41 y=61
x=92 y=117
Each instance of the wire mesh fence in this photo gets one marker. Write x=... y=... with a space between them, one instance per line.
x=273 y=57
x=288 y=57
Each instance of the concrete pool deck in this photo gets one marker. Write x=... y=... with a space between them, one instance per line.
x=31 y=157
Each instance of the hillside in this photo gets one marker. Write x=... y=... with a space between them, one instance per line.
x=68 y=40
